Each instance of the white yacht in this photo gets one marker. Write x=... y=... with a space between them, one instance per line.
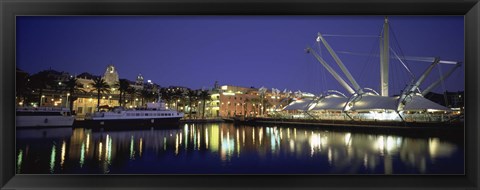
x=43 y=117
x=154 y=114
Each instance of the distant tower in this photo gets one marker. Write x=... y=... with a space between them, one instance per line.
x=139 y=80
x=216 y=86
x=111 y=75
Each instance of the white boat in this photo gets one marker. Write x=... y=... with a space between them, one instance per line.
x=43 y=117
x=154 y=114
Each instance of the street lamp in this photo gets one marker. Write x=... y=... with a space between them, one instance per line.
x=41 y=100
x=68 y=105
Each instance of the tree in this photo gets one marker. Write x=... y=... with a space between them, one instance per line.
x=132 y=92
x=123 y=86
x=100 y=86
x=21 y=85
x=41 y=81
x=74 y=88
x=192 y=96
x=255 y=105
x=166 y=95
x=266 y=104
x=262 y=92
x=245 y=106
x=146 y=95
x=204 y=96
x=177 y=95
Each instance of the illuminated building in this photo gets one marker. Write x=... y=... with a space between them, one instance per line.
x=365 y=103
x=236 y=101
x=87 y=102
x=111 y=76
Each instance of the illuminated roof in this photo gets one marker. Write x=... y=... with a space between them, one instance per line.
x=331 y=102
x=374 y=102
x=366 y=102
x=301 y=104
x=417 y=102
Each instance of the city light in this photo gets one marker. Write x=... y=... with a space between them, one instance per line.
x=19 y=159
x=52 y=159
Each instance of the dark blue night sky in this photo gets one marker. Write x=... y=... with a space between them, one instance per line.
x=196 y=51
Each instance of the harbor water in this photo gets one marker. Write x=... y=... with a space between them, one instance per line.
x=225 y=148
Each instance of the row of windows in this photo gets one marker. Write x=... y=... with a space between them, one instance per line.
x=151 y=114
x=81 y=100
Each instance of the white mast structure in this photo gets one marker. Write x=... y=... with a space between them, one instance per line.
x=384 y=59
x=433 y=85
x=331 y=71
x=411 y=88
x=384 y=69
x=339 y=62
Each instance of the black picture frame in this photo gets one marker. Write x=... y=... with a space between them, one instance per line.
x=11 y=8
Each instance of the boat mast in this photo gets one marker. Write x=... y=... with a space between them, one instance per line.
x=384 y=59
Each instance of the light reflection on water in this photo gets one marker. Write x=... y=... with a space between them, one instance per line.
x=224 y=148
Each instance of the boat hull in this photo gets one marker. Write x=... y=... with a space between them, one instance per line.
x=44 y=121
x=127 y=123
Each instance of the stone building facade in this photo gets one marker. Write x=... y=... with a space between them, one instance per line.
x=236 y=101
